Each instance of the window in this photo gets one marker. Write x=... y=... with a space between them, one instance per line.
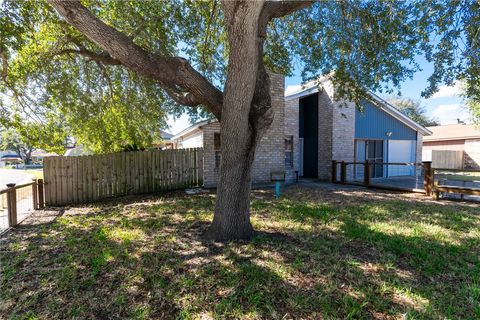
x=289 y=151
x=216 y=148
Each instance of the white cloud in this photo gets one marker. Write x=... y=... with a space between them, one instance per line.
x=449 y=113
x=446 y=91
x=292 y=88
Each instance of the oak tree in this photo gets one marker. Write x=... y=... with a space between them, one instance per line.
x=211 y=57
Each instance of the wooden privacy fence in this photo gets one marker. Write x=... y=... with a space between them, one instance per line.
x=81 y=179
x=447 y=159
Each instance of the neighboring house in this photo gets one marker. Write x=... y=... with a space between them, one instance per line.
x=76 y=151
x=462 y=138
x=165 y=142
x=310 y=129
x=38 y=155
x=8 y=156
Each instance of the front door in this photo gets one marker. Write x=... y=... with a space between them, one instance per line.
x=308 y=131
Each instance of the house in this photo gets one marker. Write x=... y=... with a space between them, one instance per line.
x=76 y=151
x=462 y=139
x=39 y=154
x=310 y=129
x=9 y=157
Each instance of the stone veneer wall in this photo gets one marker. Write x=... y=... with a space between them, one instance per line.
x=472 y=154
x=336 y=132
x=325 y=129
x=270 y=153
x=209 y=170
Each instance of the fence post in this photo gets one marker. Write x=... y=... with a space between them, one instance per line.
x=12 y=204
x=41 y=199
x=366 y=173
x=343 y=172
x=200 y=154
x=428 y=177
x=334 y=171
x=35 y=194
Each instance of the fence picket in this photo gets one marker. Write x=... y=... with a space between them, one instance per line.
x=47 y=162
x=74 y=183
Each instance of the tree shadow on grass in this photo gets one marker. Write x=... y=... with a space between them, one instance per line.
x=149 y=260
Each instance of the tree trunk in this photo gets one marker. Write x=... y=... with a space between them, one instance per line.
x=238 y=134
x=231 y=220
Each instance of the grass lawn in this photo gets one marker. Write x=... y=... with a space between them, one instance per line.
x=319 y=254
x=36 y=173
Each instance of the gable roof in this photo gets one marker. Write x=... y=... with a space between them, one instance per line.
x=312 y=87
x=165 y=135
x=191 y=128
x=453 y=132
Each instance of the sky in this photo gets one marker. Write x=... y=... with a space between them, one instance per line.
x=445 y=106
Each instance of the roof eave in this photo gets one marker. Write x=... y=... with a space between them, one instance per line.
x=452 y=138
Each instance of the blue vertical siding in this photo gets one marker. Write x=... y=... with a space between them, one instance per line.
x=373 y=123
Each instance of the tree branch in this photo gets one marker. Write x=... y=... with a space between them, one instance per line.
x=4 y=70
x=167 y=71
x=102 y=57
x=180 y=97
x=278 y=9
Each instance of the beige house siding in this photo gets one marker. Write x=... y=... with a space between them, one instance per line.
x=470 y=148
x=191 y=140
x=454 y=145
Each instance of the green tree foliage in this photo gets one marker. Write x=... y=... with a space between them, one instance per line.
x=48 y=65
x=472 y=98
x=412 y=109
x=22 y=146
x=28 y=137
x=25 y=135
x=47 y=78
x=474 y=106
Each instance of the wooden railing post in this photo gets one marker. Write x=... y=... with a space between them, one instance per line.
x=343 y=172
x=334 y=171
x=428 y=177
x=41 y=199
x=366 y=173
x=12 y=204
x=35 y=194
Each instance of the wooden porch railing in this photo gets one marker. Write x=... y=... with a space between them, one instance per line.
x=368 y=166
x=15 y=200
